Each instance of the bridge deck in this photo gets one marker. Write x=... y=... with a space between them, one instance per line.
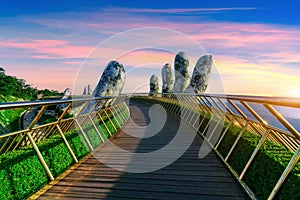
x=187 y=178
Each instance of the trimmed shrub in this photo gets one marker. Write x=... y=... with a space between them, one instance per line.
x=265 y=169
x=267 y=166
x=21 y=172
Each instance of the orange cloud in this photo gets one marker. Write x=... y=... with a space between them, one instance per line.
x=146 y=57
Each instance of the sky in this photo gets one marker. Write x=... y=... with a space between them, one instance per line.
x=52 y=44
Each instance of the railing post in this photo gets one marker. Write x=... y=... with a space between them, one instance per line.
x=122 y=117
x=115 y=117
x=80 y=127
x=96 y=129
x=259 y=145
x=282 y=120
x=224 y=133
x=69 y=124
x=66 y=143
x=197 y=119
x=40 y=156
x=286 y=172
x=123 y=112
x=62 y=133
x=110 y=121
x=201 y=122
x=107 y=129
x=84 y=135
x=237 y=140
x=215 y=128
x=118 y=117
x=35 y=147
x=208 y=123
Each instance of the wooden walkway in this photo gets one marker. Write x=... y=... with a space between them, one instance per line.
x=187 y=178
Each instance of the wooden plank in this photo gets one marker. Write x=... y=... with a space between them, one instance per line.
x=152 y=180
x=187 y=178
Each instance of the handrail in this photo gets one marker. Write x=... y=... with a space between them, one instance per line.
x=293 y=102
x=236 y=110
x=90 y=111
x=10 y=105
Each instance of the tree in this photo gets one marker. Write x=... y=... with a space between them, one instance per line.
x=2 y=70
x=11 y=85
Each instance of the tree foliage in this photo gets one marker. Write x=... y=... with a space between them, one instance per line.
x=13 y=86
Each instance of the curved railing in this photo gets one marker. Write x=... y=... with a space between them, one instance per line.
x=214 y=115
x=84 y=111
x=266 y=119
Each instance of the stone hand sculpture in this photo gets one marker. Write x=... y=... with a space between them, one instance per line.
x=167 y=79
x=112 y=80
x=182 y=77
x=201 y=74
x=154 y=85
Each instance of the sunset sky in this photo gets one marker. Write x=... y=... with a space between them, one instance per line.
x=255 y=44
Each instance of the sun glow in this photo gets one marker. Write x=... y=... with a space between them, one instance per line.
x=295 y=92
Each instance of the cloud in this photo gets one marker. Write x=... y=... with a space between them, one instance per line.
x=47 y=49
x=176 y=10
x=249 y=53
x=146 y=57
x=108 y=19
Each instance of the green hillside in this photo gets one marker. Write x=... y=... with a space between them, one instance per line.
x=13 y=89
x=9 y=118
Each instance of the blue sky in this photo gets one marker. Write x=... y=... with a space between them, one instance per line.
x=255 y=44
x=283 y=12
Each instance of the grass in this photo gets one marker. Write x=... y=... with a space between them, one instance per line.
x=21 y=172
x=9 y=119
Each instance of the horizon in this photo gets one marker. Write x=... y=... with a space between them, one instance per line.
x=255 y=45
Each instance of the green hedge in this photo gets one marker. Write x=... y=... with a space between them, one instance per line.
x=9 y=118
x=21 y=172
x=266 y=168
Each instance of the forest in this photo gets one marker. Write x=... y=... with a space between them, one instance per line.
x=13 y=89
x=18 y=88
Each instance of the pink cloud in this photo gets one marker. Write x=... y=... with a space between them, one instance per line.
x=246 y=51
x=50 y=48
x=78 y=63
x=215 y=34
x=33 y=44
x=237 y=37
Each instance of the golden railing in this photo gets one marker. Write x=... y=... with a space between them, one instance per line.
x=84 y=111
x=249 y=113
x=210 y=115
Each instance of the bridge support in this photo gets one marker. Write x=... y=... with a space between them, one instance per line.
x=286 y=172
x=261 y=142
x=84 y=135
x=237 y=140
x=66 y=143
x=40 y=157
x=35 y=147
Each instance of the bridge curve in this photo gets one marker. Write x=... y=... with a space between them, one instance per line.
x=187 y=178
